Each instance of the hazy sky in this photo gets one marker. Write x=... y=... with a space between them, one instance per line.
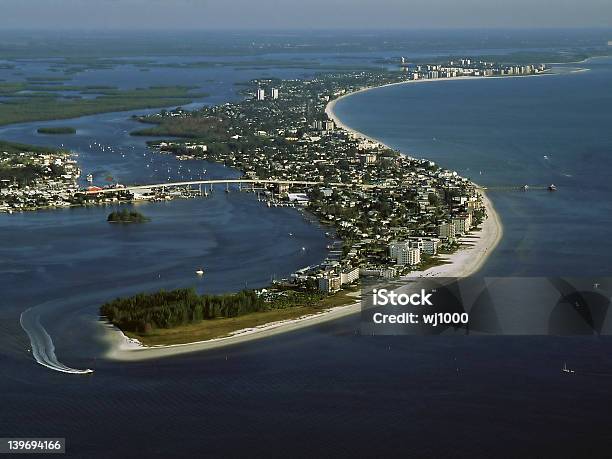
x=266 y=14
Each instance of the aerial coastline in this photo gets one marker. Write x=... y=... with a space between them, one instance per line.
x=473 y=253
x=472 y=256
x=463 y=263
x=392 y=213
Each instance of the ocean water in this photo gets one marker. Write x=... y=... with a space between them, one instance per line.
x=325 y=390
x=510 y=132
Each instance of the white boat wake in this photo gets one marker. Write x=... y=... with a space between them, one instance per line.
x=43 y=349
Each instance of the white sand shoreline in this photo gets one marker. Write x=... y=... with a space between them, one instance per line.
x=127 y=349
x=478 y=246
x=465 y=262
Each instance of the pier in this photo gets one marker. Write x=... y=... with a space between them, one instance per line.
x=516 y=188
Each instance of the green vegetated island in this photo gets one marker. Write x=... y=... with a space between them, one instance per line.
x=41 y=100
x=126 y=216
x=56 y=130
x=183 y=316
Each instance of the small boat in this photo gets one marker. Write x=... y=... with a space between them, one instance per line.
x=552 y=187
x=200 y=272
x=290 y=234
x=525 y=187
x=89 y=178
x=565 y=369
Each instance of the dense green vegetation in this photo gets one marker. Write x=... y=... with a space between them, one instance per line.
x=25 y=173
x=56 y=130
x=24 y=102
x=209 y=129
x=144 y=313
x=126 y=216
x=14 y=147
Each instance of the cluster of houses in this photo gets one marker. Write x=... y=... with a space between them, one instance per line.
x=31 y=180
x=390 y=211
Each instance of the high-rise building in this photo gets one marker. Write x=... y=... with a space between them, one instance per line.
x=404 y=254
x=330 y=283
x=447 y=230
x=428 y=245
x=261 y=94
x=367 y=158
x=318 y=125
x=274 y=93
x=462 y=223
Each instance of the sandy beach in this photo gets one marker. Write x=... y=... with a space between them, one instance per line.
x=477 y=246
x=126 y=349
x=475 y=250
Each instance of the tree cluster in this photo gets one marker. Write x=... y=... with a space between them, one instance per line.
x=145 y=312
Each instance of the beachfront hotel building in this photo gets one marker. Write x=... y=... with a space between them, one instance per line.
x=462 y=223
x=447 y=231
x=261 y=94
x=330 y=283
x=404 y=253
x=349 y=275
x=428 y=245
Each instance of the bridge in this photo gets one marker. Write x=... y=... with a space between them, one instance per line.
x=253 y=182
x=228 y=182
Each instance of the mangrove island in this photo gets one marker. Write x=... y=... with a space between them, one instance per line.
x=56 y=130
x=126 y=216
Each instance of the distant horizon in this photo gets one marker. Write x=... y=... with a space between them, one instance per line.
x=101 y=42
x=269 y=30
x=297 y=14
